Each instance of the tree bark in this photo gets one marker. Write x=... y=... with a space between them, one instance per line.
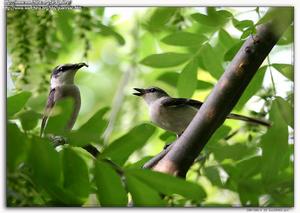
x=225 y=94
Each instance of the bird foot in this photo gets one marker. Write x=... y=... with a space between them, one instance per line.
x=58 y=140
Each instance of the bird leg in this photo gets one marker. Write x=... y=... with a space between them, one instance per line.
x=58 y=140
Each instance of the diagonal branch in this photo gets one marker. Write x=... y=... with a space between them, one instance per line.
x=225 y=94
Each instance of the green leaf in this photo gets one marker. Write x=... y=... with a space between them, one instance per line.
x=29 y=119
x=160 y=18
x=225 y=38
x=249 y=191
x=184 y=39
x=213 y=18
x=287 y=37
x=76 y=176
x=45 y=162
x=99 y=11
x=168 y=184
x=120 y=150
x=108 y=31
x=253 y=87
x=187 y=82
x=205 y=20
x=91 y=130
x=219 y=134
x=64 y=19
x=142 y=194
x=212 y=65
x=213 y=174
x=248 y=167
x=16 y=146
x=235 y=152
x=241 y=25
x=110 y=190
x=286 y=111
x=171 y=78
x=285 y=69
x=16 y=102
x=247 y=32
x=274 y=146
x=233 y=51
x=164 y=60
x=139 y=164
x=60 y=116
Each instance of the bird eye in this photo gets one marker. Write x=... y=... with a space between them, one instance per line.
x=60 y=69
x=152 y=90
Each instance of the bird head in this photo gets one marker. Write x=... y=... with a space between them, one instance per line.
x=150 y=94
x=65 y=73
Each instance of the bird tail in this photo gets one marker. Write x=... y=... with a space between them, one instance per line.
x=249 y=119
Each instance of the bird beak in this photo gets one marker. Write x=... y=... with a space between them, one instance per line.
x=140 y=92
x=79 y=65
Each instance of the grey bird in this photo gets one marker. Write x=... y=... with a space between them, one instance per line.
x=175 y=114
x=62 y=86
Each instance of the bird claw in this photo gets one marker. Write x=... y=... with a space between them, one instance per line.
x=58 y=140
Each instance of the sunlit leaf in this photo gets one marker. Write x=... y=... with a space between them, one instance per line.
x=204 y=19
x=171 y=78
x=168 y=184
x=120 y=149
x=233 y=51
x=286 y=111
x=160 y=18
x=247 y=32
x=241 y=25
x=225 y=38
x=187 y=82
x=110 y=190
x=285 y=69
x=184 y=39
x=16 y=102
x=213 y=18
x=253 y=87
x=163 y=60
x=212 y=65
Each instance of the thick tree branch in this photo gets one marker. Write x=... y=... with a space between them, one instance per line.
x=225 y=94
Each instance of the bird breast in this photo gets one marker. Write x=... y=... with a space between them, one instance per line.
x=171 y=118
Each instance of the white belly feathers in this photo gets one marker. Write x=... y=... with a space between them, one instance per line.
x=171 y=118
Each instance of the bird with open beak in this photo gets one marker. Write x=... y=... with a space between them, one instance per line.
x=175 y=114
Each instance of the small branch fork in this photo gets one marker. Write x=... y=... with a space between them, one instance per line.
x=178 y=157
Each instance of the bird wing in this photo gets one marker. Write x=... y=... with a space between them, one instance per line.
x=179 y=102
x=50 y=104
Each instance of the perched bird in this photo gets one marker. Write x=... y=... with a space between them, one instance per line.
x=62 y=86
x=175 y=114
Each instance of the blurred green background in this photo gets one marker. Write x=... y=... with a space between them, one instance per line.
x=126 y=47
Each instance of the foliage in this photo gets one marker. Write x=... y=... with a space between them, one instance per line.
x=183 y=50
